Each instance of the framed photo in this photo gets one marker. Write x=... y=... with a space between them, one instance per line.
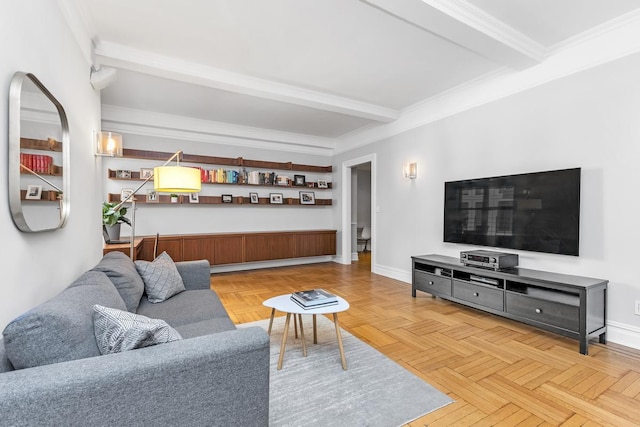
x=146 y=173
x=34 y=192
x=227 y=198
x=124 y=193
x=299 y=180
x=307 y=198
x=152 y=196
x=123 y=174
x=323 y=183
x=194 y=197
x=275 y=198
x=253 y=198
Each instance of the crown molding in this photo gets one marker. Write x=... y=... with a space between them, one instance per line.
x=79 y=22
x=593 y=48
x=468 y=27
x=117 y=55
x=126 y=120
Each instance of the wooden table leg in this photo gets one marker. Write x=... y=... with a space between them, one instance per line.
x=315 y=331
x=273 y=312
x=284 y=341
x=304 y=343
x=295 y=326
x=339 y=336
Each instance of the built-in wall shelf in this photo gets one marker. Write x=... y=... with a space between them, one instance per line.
x=217 y=200
x=40 y=144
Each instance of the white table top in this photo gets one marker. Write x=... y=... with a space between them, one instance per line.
x=283 y=303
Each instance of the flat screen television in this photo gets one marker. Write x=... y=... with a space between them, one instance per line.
x=537 y=212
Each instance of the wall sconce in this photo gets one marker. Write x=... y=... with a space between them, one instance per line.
x=109 y=144
x=410 y=170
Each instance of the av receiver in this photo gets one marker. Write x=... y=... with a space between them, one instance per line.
x=488 y=259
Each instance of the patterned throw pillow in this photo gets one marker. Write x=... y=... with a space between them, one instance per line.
x=118 y=330
x=161 y=278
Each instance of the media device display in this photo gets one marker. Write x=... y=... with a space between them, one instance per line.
x=534 y=211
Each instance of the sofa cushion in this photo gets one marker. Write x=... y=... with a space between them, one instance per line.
x=118 y=330
x=5 y=364
x=161 y=278
x=206 y=327
x=186 y=307
x=61 y=329
x=122 y=272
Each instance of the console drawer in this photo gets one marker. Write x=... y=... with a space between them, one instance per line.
x=435 y=285
x=481 y=295
x=563 y=316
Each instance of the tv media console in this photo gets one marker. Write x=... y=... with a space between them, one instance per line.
x=572 y=306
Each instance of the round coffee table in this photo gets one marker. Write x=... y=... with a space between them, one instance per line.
x=283 y=303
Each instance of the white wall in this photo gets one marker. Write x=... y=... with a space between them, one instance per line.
x=35 y=38
x=589 y=120
x=184 y=219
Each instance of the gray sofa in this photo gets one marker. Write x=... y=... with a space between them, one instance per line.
x=52 y=372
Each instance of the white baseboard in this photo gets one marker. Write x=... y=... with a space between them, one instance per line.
x=623 y=334
x=269 y=264
x=354 y=256
x=393 y=273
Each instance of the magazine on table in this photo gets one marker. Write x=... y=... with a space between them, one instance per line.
x=311 y=307
x=314 y=297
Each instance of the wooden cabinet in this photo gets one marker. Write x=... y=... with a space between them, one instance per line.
x=572 y=306
x=234 y=248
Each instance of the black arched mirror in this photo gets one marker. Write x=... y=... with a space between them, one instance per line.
x=38 y=156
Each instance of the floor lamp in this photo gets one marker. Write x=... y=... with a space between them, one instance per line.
x=166 y=179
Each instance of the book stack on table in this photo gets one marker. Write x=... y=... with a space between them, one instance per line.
x=314 y=298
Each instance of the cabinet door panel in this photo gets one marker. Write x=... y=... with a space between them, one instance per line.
x=171 y=246
x=315 y=244
x=196 y=248
x=228 y=249
x=480 y=295
x=435 y=285
x=262 y=247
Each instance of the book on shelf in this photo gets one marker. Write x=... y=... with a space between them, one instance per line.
x=314 y=297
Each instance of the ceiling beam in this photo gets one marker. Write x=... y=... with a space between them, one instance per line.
x=469 y=27
x=120 y=56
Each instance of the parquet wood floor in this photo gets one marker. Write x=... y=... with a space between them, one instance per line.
x=499 y=372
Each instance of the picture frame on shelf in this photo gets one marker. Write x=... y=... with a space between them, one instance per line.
x=253 y=198
x=123 y=174
x=146 y=173
x=124 y=193
x=34 y=192
x=322 y=183
x=152 y=196
x=227 y=198
x=299 y=180
x=276 y=198
x=307 y=198
x=194 y=197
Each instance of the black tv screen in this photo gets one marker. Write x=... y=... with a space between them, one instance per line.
x=533 y=212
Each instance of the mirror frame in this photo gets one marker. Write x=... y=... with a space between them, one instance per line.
x=15 y=204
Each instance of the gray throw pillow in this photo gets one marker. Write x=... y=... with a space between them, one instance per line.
x=122 y=272
x=118 y=330
x=61 y=329
x=161 y=278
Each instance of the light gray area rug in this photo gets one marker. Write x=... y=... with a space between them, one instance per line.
x=315 y=390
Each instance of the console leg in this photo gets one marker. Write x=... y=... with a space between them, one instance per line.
x=584 y=342
x=602 y=339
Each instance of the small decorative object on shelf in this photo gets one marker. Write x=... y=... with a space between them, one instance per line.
x=152 y=196
x=146 y=173
x=174 y=198
x=322 y=183
x=253 y=198
x=307 y=198
x=194 y=197
x=125 y=193
x=123 y=174
x=299 y=180
x=227 y=198
x=283 y=180
x=34 y=192
x=275 y=198
x=314 y=298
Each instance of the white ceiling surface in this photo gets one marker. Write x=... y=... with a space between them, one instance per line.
x=314 y=70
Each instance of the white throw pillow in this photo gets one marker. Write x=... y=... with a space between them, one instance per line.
x=161 y=278
x=118 y=330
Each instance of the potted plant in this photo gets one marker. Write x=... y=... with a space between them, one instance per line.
x=112 y=219
x=174 y=198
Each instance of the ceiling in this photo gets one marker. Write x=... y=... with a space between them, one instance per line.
x=308 y=73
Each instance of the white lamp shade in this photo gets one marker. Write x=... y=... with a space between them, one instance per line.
x=176 y=179
x=109 y=144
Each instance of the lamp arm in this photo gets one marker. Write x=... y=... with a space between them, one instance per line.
x=149 y=178
x=41 y=177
